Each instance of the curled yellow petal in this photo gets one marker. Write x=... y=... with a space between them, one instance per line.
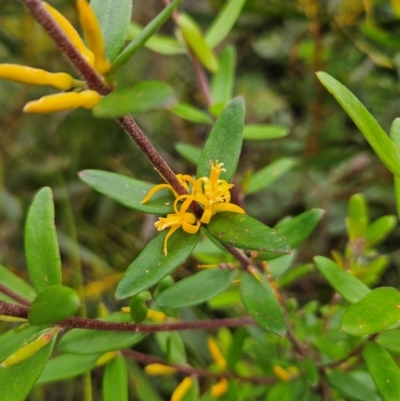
x=71 y=34
x=182 y=389
x=216 y=353
x=156 y=315
x=229 y=207
x=63 y=101
x=155 y=369
x=93 y=35
x=36 y=76
x=153 y=190
x=219 y=389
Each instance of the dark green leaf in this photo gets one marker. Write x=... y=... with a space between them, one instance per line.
x=242 y=231
x=266 y=176
x=224 y=22
x=66 y=366
x=259 y=300
x=114 y=17
x=190 y=113
x=189 y=152
x=140 y=98
x=144 y=389
x=53 y=304
x=395 y=137
x=196 y=289
x=348 y=286
x=115 y=380
x=138 y=306
x=41 y=247
x=225 y=141
x=236 y=347
x=150 y=29
x=384 y=371
x=85 y=341
x=375 y=135
x=151 y=266
x=17 y=380
x=129 y=192
x=264 y=131
x=376 y=312
x=16 y=284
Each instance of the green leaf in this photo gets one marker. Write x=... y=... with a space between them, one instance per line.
x=53 y=304
x=41 y=247
x=236 y=347
x=390 y=340
x=140 y=98
x=66 y=366
x=190 y=113
x=225 y=141
x=115 y=380
x=224 y=22
x=17 y=380
x=375 y=135
x=222 y=81
x=259 y=300
x=16 y=284
x=380 y=229
x=242 y=231
x=189 y=152
x=139 y=307
x=357 y=220
x=150 y=29
x=266 y=176
x=264 y=131
x=193 y=37
x=395 y=137
x=144 y=389
x=114 y=17
x=88 y=341
x=151 y=266
x=376 y=312
x=384 y=371
x=129 y=192
x=196 y=289
x=349 y=287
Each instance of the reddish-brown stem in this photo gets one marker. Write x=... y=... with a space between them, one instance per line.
x=189 y=370
x=13 y=295
x=202 y=78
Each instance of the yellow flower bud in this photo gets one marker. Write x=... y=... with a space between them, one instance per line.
x=219 y=389
x=159 y=369
x=182 y=389
x=282 y=373
x=108 y=356
x=6 y=318
x=63 y=101
x=36 y=76
x=93 y=35
x=216 y=353
x=71 y=34
x=156 y=315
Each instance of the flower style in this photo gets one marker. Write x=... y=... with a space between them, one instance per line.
x=210 y=192
x=94 y=56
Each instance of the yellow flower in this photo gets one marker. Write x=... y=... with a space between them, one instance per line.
x=182 y=389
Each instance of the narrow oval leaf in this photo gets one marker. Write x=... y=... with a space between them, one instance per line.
x=380 y=229
x=190 y=113
x=196 y=289
x=374 y=134
x=383 y=370
x=140 y=98
x=189 y=152
x=395 y=137
x=53 y=304
x=242 y=231
x=266 y=176
x=264 y=131
x=129 y=192
x=390 y=340
x=88 y=341
x=259 y=300
x=376 y=312
x=114 y=17
x=41 y=247
x=224 y=22
x=115 y=380
x=349 y=287
x=16 y=284
x=222 y=82
x=225 y=141
x=151 y=266
x=193 y=36
x=17 y=380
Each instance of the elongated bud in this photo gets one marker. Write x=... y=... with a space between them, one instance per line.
x=155 y=369
x=107 y=357
x=93 y=35
x=6 y=318
x=156 y=315
x=182 y=389
x=216 y=353
x=36 y=76
x=282 y=373
x=219 y=389
x=71 y=34
x=63 y=101
x=30 y=349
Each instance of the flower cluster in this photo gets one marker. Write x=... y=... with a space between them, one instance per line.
x=211 y=193
x=94 y=55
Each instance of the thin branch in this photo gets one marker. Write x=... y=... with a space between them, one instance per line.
x=13 y=295
x=189 y=370
x=240 y=256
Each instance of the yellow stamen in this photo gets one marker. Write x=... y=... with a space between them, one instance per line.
x=158 y=369
x=216 y=353
x=182 y=389
x=219 y=389
x=93 y=35
x=63 y=101
x=36 y=76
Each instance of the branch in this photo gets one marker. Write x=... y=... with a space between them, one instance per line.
x=13 y=295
